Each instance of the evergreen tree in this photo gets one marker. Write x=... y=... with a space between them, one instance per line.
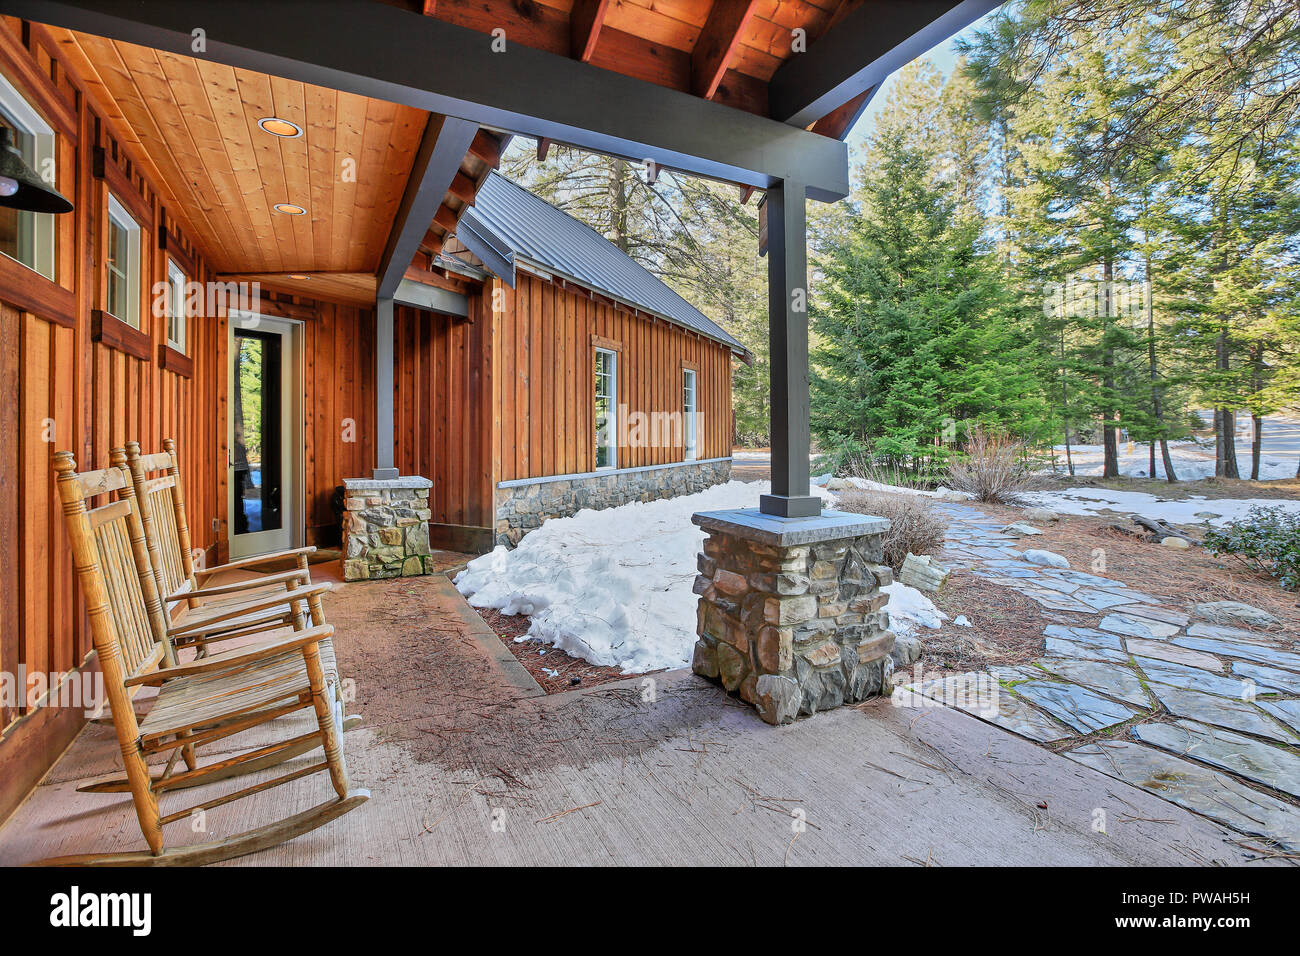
x=912 y=328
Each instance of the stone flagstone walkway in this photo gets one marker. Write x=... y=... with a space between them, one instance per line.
x=1202 y=715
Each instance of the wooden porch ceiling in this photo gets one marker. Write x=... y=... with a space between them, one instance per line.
x=195 y=123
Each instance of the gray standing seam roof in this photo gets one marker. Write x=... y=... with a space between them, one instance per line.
x=535 y=230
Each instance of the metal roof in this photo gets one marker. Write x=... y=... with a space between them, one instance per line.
x=509 y=223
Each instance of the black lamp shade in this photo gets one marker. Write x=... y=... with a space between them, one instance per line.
x=33 y=194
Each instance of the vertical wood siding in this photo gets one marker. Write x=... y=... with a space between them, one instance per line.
x=546 y=388
x=59 y=390
x=443 y=402
x=339 y=405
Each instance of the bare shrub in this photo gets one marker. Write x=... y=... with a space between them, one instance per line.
x=993 y=469
x=915 y=525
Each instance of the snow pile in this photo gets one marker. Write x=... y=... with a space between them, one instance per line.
x=909 y=609
x=1191 y=461
x=866 y=484
x=613 y=586
x=1091 y=501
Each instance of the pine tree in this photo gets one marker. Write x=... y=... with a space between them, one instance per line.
x=912 y=323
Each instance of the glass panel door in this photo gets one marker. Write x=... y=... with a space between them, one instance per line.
x=260 y=475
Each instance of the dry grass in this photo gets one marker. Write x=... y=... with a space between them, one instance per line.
x=993 y=469
x=1007 y=628
x=914 y=524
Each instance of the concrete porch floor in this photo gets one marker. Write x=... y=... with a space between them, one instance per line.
x=468 y=763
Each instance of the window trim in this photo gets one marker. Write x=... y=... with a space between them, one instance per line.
x=611 y=441
x=117 y=213
x=182 y=344
x=690 y=417
x=21 y=113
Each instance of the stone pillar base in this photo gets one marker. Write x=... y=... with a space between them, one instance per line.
x=791 y=617
x=386 y=528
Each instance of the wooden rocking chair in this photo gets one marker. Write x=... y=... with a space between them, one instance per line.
x=182 y=585
x=201 y=702
x=202 y=616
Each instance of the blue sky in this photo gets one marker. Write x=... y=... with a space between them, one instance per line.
x=943 y=56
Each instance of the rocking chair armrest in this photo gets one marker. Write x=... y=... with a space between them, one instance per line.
x=273 y=599
x=237 y=657
x=297 y=574
x=256 y=561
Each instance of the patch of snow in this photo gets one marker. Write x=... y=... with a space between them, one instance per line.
x=1192 y=461
x=866 y=484
x=1091 y=501
x=614 y=586
x=909 y=609
x=961 y=621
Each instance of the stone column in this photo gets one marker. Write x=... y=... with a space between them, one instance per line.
x=791 y=617
x=386 y=528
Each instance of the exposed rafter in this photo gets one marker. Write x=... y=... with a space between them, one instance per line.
x=585 y=21
x=718 y=41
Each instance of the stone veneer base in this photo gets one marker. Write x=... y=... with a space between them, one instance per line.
x=522 y=506
x=386 y=528
x=791 y=617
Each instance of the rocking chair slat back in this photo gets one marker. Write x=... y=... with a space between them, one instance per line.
x=112 y=563
x=167 y=533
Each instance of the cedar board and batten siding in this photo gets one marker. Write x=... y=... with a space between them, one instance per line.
x=339 y=405
x=545 y=360
x=443 y=380
x=57 y=383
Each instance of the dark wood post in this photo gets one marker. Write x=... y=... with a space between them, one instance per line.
x=787 y=312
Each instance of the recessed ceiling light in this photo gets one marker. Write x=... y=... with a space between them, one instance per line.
x=289 y=209
x=280 y=127
x=298 y=275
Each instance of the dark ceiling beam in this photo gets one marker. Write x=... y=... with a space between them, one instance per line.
x=870 y=42
x=380 y=51
x=837 y=123
x=437 y=164
x=717 y=43
x=585 y=21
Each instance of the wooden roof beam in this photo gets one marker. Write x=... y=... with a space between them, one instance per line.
x=436 y=169
x=486 y=147
x=837 y=123
x=530 y=92
x=870 y=42
x=717 y=44
x=585 y=21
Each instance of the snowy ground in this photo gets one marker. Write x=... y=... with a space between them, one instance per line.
x=1193 y=460
x=614 y=587
x=1193 y=510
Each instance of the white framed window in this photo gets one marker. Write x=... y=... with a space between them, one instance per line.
x=28 y=237
x=123 y=264
x=606 y=408
x=177 y=280
x=690 y=406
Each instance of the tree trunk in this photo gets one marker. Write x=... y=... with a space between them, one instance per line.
x=1257 y=420
x=1225 y=453
x=1157 y=403
x=1110 y=443
x=1065 y=406
x=1256 y=445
